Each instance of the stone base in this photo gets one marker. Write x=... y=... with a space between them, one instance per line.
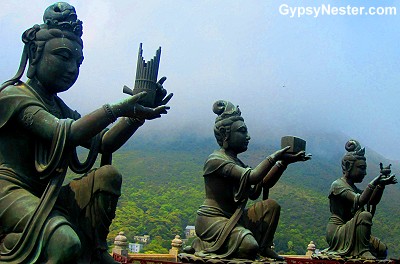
x=189 y=258
x=121 y=252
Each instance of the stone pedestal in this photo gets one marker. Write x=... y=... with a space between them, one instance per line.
x=310 y=249
x=121 y=245
x=176 y=244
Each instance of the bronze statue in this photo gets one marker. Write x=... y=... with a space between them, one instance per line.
x=42 y=221
x=349 y=228
x=225 y=229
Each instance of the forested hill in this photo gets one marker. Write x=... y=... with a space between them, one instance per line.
x=163 y=187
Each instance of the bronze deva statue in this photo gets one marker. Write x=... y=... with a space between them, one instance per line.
x=225 y=228
x=42 y=220
x=349 y=228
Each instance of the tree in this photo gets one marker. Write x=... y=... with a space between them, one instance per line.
x=155 y=246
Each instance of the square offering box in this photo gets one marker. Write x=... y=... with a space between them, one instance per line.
x=296 y=144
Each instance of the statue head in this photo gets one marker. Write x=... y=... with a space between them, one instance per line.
x=229 y=129
x=354 y=162
x=58 y=37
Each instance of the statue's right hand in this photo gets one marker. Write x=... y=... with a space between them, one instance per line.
x=136 y=97
x=126 y=107
x=386 y=180
x=277 y=155
x=149 y=113
x=130 y=108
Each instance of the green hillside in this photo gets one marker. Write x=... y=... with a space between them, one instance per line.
x=163 y=187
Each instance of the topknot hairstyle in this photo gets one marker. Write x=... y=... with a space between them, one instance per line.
x=354 y=152
x=227 y=113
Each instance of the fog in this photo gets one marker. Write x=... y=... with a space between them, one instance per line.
x=336 y=73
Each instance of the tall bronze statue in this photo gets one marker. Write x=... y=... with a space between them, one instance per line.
x=225 y=228
x=349 y=228
x=42 y=220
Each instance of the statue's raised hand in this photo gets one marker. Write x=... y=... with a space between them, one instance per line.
x=277 y=155
x=295 y=157
x=161 y=97
x=386 y=180
x=149 y=113
x=130 y=108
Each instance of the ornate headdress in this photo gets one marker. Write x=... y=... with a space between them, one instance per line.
x=227 y=113
x=63 y=16
x=354 y=152
x=60 y=20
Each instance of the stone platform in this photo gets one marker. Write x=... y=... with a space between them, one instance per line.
x=189 y=258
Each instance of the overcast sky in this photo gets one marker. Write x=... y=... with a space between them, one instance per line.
x=289 y=75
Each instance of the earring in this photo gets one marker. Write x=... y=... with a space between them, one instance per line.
x=31 y=72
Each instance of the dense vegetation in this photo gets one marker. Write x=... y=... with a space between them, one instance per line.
x=163 y=187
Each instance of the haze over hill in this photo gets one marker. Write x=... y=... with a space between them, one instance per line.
x=330 y=72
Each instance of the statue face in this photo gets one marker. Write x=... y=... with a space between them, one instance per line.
x=358 y=171
x=239 y=137
x=58 y=67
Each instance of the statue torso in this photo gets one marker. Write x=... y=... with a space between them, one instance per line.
x=340 y=204
x=17 y=143
x=219 y=186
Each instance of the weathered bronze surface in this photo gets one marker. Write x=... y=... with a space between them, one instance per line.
x=225 y=228
x=42 y=220
x=349 y=227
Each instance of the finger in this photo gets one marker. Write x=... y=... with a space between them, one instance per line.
x=138 y=96
x=161 y=92
x=162 y=80
x=156 y=116
x=285 y=148
x=166 y=99
x=127 y=90
x=161 y=109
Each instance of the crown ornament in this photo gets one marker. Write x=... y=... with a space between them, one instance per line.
x=63 y=16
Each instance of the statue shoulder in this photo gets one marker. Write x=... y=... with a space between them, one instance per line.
x=215 y=161
x=19 y=88
x=339 y=186
x=13 y=99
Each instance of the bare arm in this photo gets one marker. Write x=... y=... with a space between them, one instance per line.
x=373 y=192
x=274 y=174
x=114 y=138
x=44 y=124
x=271 y=169
x=258 y=173
x=380 y=183
x=376 y=195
